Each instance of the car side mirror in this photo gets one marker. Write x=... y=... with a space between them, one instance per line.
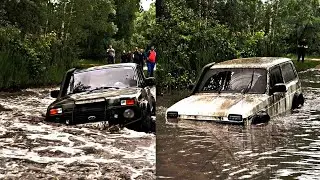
x=54 y=93
x=151 y=81
x=190 y=86
x=278 y=88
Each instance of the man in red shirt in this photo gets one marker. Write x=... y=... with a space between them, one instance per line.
x=151 y=61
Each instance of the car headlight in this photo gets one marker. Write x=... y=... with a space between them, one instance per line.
x=55 y=111
x=235 y=117
x=128 y=113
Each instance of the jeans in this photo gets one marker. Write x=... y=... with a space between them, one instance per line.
x=111 y=60
x=301 y=54
x=150 y=66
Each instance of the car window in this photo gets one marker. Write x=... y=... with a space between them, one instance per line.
x=120 y=77
x=234 y=80
x=275 y=76
x=288 y=72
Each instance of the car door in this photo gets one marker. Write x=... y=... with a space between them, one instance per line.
x=277 y=99
x=290 y=78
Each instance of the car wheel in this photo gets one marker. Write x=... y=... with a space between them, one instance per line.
x=68 y=122
x=146 y=122
x=260 y=117
x=295 y=102
x=301 y=99
x=153 y=112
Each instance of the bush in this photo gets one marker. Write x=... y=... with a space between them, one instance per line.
x=32 y=60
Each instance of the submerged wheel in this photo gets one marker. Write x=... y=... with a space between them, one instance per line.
x=301 y=99
x=153 y=112
x=146 y=122
x=297 y=100
x=260 y=117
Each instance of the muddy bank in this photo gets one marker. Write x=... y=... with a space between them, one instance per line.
x=30 y=148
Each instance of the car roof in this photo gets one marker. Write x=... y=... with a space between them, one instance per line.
x=119 y=65
x=254 y=62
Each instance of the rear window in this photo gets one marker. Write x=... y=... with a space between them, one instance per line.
x=288 y=72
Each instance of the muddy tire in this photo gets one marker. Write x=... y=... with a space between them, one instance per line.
x=301 y=99
x=261 y=117
x=146 y=122
x=297 y=100
x=153 y=112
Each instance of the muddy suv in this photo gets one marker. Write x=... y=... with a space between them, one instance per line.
x=118 y=94
x=248 y=90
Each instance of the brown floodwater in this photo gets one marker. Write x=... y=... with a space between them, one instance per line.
x=288 y=147
x=32 y=149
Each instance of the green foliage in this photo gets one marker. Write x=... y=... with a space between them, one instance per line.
x=31 y=60
x=41 y=39
x=196 y=33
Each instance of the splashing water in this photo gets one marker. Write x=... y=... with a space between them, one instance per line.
x=31 y=148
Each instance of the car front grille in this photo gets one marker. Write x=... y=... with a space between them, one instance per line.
x=92 y=112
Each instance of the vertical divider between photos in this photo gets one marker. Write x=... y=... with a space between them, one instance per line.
x=200 y=76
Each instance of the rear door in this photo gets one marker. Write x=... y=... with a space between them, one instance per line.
x=291 y=80
x=277 y=99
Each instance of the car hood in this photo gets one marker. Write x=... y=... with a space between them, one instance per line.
x=220 y=105
x=107 y=94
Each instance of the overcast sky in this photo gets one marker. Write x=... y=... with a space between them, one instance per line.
x=146 y=4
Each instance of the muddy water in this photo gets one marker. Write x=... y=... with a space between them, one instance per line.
x=288 y=147
x=32 y=149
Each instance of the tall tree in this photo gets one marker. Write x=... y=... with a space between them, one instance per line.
x=125 y=16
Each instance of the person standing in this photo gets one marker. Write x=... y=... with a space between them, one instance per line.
x=136 y=56
x=142 y=58
x=129 y=57
x=124 y=57
x=151 y=61
x=111 y=55
x=302 y=48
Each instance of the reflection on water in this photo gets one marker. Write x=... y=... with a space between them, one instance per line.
x=287 y=147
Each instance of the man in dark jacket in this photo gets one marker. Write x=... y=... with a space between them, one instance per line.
x=142 y=57
x=129 y=57
x=302 y=48
x=136 y=56
x=124 y=57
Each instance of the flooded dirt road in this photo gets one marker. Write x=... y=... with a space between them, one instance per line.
x=32 y=149
x=288 y=147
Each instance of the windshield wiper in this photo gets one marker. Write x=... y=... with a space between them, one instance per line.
x=250 y=84
x=103 y=87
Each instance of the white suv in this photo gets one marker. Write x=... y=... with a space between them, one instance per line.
x=248 y=90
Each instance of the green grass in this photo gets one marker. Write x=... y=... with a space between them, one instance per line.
x=307 y=64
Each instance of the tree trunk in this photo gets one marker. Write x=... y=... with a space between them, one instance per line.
x=160 y=9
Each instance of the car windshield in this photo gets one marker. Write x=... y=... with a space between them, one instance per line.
x=121 y=77
x=234 y=80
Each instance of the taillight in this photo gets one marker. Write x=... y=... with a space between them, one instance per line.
x=128 y=102
x=55 y=111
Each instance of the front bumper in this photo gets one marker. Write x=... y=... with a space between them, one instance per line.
x=113 y=114
x=224 y=120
